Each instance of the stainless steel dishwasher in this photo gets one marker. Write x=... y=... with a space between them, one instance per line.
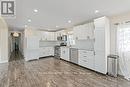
x=57 y=52
x=74 y=55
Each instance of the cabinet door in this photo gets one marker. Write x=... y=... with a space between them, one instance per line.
x=43 y=35
x=67 y=57
x=84 y=32
x=62 y=53
x=76 y=32
x=83 y=61
x=65 y=53
x=32 y=54
x=45 y=52
x=99 y=39
x=48 y=36
x=52 y=36
x=91 y=62
x=51 y=51
x=55 y=36
x=91 y=59
x=83 y=58
x=90 y=30
x=100 y=62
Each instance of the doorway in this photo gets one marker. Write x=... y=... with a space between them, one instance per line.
x=15 y=46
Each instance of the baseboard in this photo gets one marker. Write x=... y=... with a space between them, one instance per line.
x=5 y=61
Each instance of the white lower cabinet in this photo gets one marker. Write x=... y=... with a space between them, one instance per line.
x=100 y=62
x=86 y=59
x=31 y=54
x=65 y=53
x=46 y=51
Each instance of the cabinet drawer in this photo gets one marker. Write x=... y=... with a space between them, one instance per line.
x=83 y=63
x=87 y=53
x=82 y=56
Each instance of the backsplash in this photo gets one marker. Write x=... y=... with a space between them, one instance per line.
x=48 y=43
x=85 y=44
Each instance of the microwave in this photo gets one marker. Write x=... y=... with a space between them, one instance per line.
x=62 y=38
x=59 y=38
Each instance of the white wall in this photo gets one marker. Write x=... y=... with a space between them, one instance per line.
x=3 y=41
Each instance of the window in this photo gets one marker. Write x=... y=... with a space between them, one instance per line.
x=124 y=39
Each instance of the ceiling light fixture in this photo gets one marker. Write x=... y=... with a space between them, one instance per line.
x=29 y=20
x=35 y=10
x=96 y=11
x=15 y=34
x=69 y=21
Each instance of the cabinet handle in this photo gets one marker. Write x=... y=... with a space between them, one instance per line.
x=85 y=56
x=84 y=60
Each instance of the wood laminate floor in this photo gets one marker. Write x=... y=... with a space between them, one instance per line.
x=51 y=72
x=15 y=55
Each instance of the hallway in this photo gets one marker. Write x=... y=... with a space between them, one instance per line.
x=16 y=55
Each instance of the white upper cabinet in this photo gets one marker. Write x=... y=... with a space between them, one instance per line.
x=48 y=36
x=60 y=33
x=84 y=32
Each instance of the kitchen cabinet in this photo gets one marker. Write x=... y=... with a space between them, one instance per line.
x=86 y=59
x=31 y=54
x=49 y=36
x=46 y=51
x=31 y=48
x=102 y=44
x=65 y=53
x=60 y=33
x=84 y=32
x=89 y=27
x=74 y=55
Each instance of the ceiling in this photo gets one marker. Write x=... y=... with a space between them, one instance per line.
x=52 y=13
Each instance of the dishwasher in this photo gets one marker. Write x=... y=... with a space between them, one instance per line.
x=57 y=52
x=74 y=55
